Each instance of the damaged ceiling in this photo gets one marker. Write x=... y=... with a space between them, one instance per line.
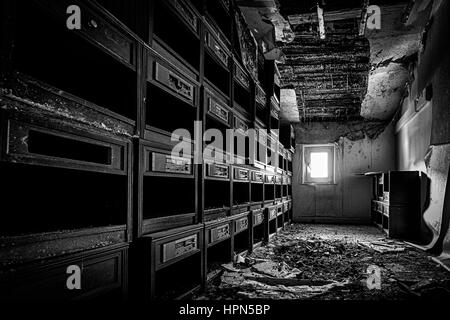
x=349 y=75
x=342 y=72
x=329 y=76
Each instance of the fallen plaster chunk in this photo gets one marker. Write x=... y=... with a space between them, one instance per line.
x=383 y=246
x=277 y=270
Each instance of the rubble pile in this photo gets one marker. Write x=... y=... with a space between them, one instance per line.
x=327 y=265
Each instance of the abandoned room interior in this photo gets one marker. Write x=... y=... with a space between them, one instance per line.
x=224 y=149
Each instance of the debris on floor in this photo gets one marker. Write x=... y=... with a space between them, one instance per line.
x=384 y=246
x=332 y=263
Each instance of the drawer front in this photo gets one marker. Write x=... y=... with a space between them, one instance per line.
x=217 y=171
x=240 y=124
x=104 y=34
x=29 y=143
x=219 y=52
x=272 y=212
x=241 y=76
x=219 y=233
x=187 y=13
x=278 y=179
x=260 y=95
x=257 y=177
x=241 y=174
x=280 y=210
x=241 y=225
x=174 y=82
x=99 y=273
x=218 y=110
x=170 y=164
x=258 y=218
x=96 y=29
x=179 y=248
x=269 y=178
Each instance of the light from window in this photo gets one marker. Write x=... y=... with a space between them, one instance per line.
x=319 y=164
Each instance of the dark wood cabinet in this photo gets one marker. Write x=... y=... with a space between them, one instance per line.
x=396 y=203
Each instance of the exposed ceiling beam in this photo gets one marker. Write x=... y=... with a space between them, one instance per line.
x=308 y=18
x=363 y=22
x=321 y=22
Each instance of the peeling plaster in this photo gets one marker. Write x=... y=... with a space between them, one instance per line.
x=385 y=91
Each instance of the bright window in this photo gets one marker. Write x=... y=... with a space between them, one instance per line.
x=318 y=164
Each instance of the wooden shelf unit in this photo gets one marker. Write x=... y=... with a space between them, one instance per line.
x=395 y=203
x=88 y=129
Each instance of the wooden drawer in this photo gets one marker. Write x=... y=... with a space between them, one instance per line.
x=217 y=49
x=260 y=95
x=218 y=109
x=241 y=174
x=257 y=176
x=218 y=234
x=240 y=124
x=174 y=83
x=268 y=178
x=102 y=271
x=241 y=225
x=272 y=212
x=173 y=245
x=96 y=28
x=187 y=13
x=26 y=141
x=179 y=248
x=258 y=217
x=166 y=163
x=241 y=76
x=217 y=171
x=280 y=210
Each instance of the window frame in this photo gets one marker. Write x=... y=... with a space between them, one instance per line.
x=330 y=149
